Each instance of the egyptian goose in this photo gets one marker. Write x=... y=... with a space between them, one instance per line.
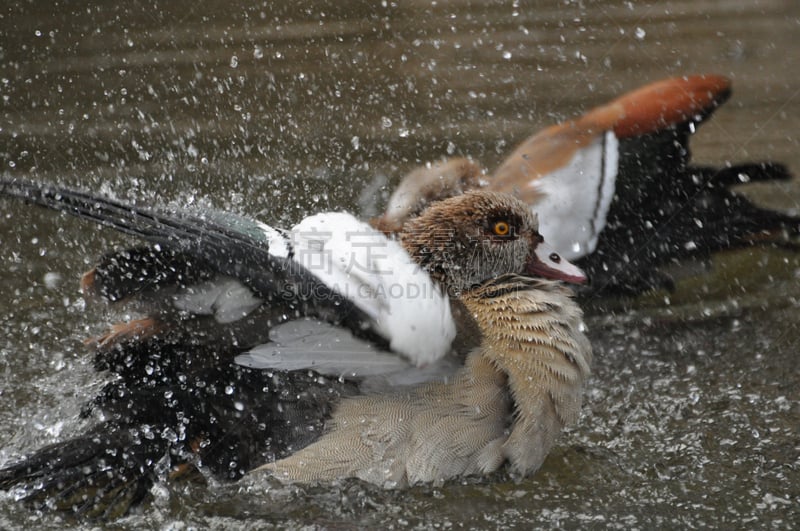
x=615 y=189
x=201 y=378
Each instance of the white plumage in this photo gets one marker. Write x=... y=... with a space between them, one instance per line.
x=575 y=198
x=380 y=277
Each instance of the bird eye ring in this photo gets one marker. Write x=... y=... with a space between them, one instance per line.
x=501 y=228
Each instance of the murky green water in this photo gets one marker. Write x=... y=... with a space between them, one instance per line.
x=283 y=108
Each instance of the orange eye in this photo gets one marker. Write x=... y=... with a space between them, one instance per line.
x=501 y=228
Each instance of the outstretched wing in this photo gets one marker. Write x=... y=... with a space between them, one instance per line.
x=229 y=245
x=227 y=267
x=616 y=189
x=569 y=172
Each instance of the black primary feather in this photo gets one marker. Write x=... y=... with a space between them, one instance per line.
x=223 y=419
x=665 y=209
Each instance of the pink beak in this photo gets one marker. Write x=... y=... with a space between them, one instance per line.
x=547 y=263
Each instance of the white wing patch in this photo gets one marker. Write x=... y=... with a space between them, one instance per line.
x=225 y=298
x=361 y=264
x=576 y=198
x=377 y=274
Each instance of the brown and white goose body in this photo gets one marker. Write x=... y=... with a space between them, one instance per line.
x=195 y=386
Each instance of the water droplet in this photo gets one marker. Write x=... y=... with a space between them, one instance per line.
x=52 y=280
x=640 y=33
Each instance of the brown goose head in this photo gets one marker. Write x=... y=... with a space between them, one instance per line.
x=465 y=240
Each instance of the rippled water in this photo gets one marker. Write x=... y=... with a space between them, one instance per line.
x=283 y=108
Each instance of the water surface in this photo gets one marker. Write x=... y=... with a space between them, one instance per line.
x=279 y=109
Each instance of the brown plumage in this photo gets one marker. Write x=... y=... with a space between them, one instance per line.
x=509 y=402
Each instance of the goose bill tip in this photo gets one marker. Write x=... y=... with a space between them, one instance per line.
x=547 y=263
